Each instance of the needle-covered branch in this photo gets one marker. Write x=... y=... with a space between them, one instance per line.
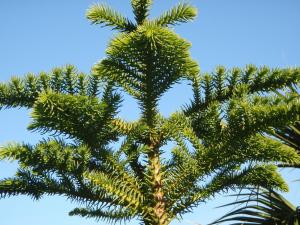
x=23 y=92
x=181 y=13
x=84 y=118
x=103 y=14
x=141 y=10
x=221 y=85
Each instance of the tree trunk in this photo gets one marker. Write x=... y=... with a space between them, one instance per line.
x=160 y=216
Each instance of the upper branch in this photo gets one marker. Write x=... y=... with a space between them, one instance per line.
x=181 y=13
x=223 y=84
x=103 y=14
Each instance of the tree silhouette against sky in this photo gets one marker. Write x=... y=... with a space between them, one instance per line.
x=217 y=138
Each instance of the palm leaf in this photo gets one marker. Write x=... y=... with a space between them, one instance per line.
x=290 y=135
x=260 y=206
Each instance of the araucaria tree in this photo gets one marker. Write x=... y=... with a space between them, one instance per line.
x=218 y=138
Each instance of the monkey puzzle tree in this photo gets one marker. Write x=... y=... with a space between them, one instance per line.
x=218 y=141
x=290 y=135
x=269 y=206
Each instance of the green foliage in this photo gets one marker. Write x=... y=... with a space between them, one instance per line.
x=183 y=12
x=103 y=14
x=146 y=63
x=141 y=10
x=261 y=207
x=24 y=92
x=106 y=16
x=105 y=215
x=89 y=122
x=290 y=135
x=219 y=140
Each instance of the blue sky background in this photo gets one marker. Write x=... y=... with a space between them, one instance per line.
x=37 y=35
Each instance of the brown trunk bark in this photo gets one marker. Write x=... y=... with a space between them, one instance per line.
x=159 y=209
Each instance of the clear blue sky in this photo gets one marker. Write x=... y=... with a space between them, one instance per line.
x=37 y=35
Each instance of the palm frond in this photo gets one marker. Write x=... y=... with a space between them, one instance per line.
x=261 y=206
x=290 y=135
